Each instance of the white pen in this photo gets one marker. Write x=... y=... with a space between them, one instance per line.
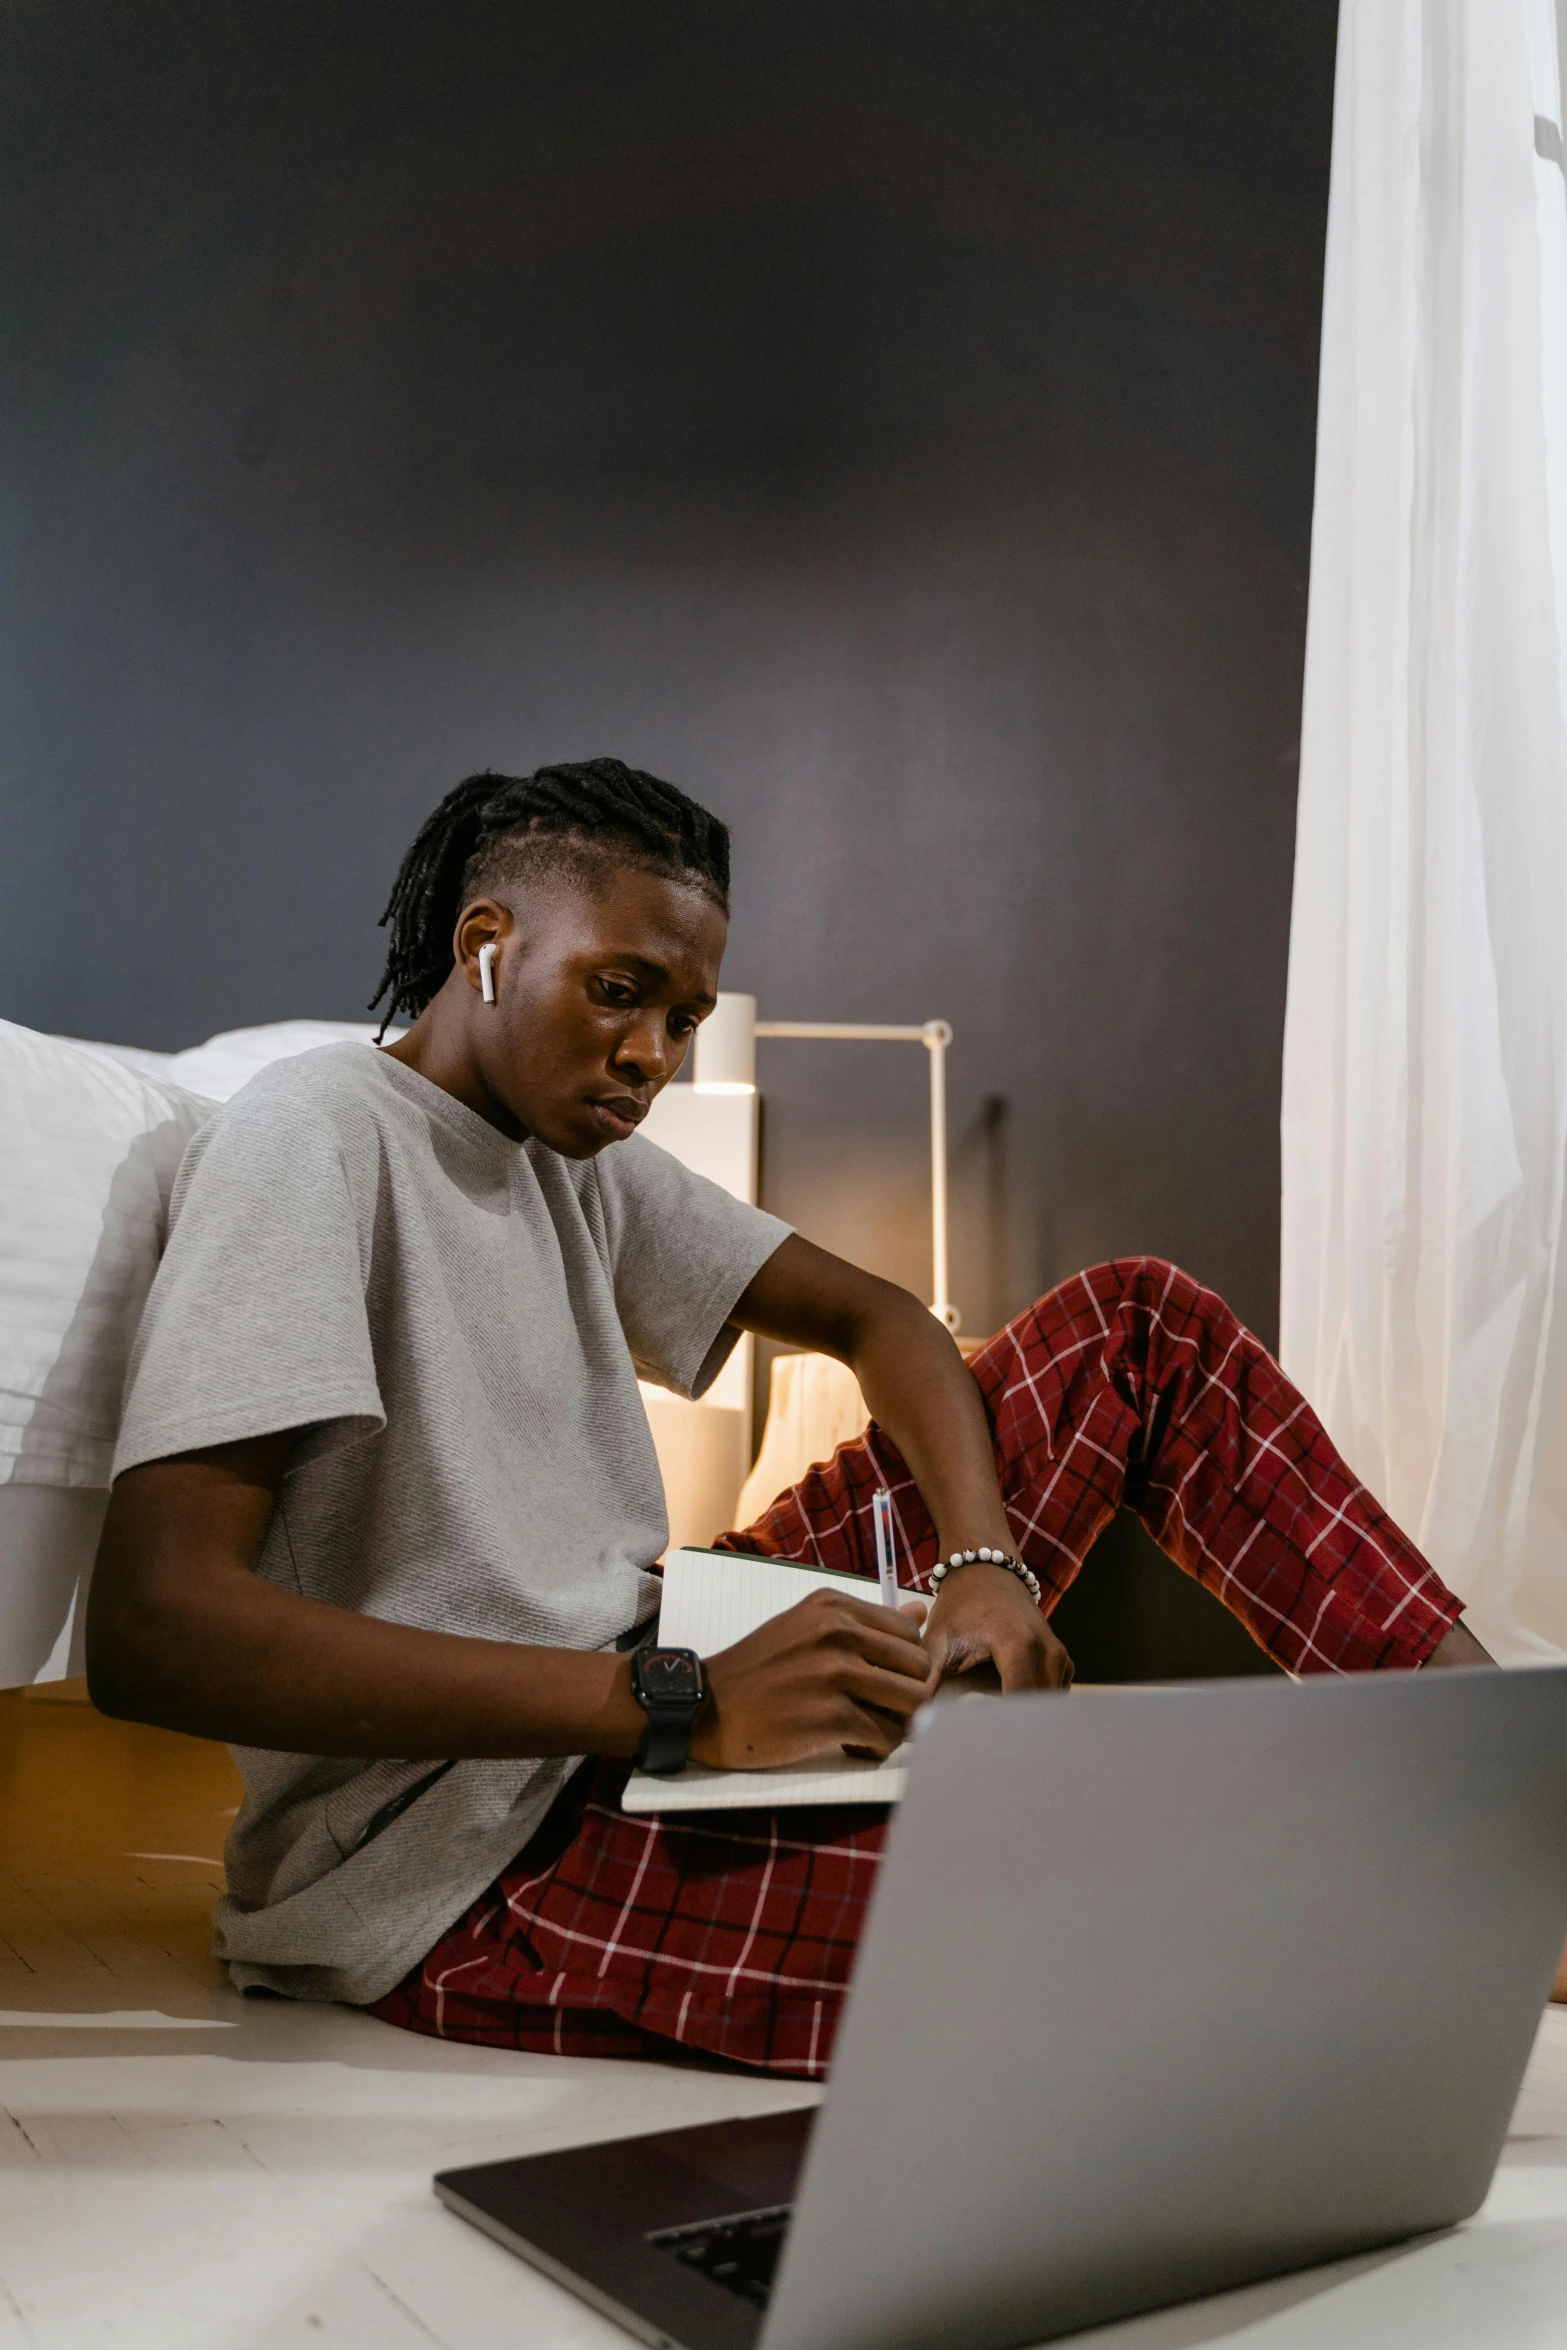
x=886 y=1556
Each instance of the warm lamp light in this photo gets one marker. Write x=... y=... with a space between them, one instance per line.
x=725 y=1062
x=725 y=1059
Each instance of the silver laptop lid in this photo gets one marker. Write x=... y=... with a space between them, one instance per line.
x=1167 y=1989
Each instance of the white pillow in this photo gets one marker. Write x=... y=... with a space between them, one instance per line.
x=229 y=1060
x=131 y=1055
x=89 y=1148
x=224 y=1063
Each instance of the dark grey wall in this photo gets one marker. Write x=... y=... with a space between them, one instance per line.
x=892 y=421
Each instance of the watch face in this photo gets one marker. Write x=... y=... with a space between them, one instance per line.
x=670 y=1677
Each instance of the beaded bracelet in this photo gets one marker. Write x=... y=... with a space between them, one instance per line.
x=990 y=1558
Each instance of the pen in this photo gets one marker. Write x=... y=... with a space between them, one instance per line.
x=886 y=1556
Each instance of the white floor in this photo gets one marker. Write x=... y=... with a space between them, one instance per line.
x=211 y=2173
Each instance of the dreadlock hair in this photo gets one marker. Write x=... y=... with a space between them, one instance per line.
x=494 y=828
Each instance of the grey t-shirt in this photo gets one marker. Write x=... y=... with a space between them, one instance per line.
x=461 y=1321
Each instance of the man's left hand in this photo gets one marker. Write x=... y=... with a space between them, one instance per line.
x=984 y=1614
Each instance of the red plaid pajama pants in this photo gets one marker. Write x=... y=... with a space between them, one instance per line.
x=733 y=1935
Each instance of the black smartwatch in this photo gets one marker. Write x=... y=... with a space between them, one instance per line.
x=667 y=1684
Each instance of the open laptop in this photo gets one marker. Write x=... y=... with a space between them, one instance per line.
x=1162 y=1991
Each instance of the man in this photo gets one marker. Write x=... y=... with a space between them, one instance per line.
x=386 y=1501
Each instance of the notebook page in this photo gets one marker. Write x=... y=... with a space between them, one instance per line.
x=711 y=1600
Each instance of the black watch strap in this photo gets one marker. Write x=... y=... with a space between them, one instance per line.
x=666 y=1743
x=669 y=1685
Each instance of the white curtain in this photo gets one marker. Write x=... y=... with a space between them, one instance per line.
x=1424 y=1307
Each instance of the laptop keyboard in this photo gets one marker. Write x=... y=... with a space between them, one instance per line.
x=741 y=2253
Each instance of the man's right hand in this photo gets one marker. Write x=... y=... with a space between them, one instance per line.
x=833 y=1672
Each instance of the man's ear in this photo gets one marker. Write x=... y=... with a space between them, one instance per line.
x=486 y=923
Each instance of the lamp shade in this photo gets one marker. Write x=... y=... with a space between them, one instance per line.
x=725 y=1059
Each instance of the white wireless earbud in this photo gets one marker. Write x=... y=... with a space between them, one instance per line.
x=487 y=973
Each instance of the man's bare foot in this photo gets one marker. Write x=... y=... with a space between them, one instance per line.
x=1459 y=1647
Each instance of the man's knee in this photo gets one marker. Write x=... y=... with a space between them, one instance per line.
x=1148 y=1282
x=1100 y=1294
x=1148 y=1276
x=1158 y=1298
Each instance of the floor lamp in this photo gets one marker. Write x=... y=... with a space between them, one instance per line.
x=725 y=1062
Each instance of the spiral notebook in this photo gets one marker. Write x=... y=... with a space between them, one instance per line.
x=712 y=1598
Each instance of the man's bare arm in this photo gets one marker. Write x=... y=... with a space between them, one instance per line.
x=183 y=1632
x=919 y=1390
